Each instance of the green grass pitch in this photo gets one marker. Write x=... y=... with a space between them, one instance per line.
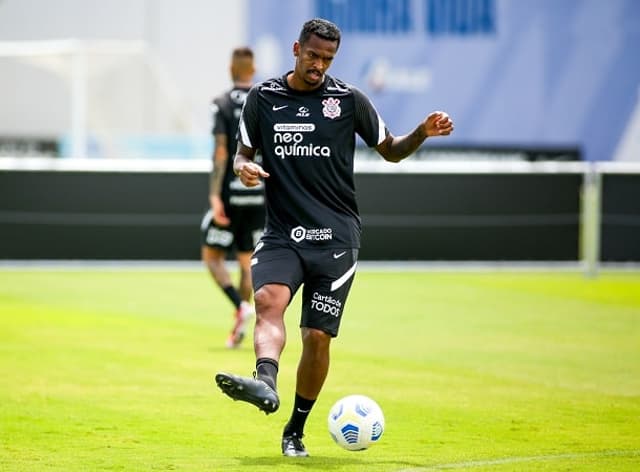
x=113 y=370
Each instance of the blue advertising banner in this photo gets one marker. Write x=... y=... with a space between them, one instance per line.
x=510 y=73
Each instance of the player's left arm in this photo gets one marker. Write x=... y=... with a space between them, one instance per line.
x=396 y=148
x=370 y=126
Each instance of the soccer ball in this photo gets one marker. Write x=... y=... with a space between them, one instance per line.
x=356 y=422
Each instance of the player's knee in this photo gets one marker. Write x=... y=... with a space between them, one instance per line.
x=212 y=256
x=315 y=339
x=264 y=300
x=271 y=299
x=216 y=266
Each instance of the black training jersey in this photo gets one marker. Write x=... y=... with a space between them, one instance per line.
x=226 y=110
x=307 y=141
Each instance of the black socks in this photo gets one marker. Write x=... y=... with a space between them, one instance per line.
x=267 y=370
x=233 y=295
x=301 y=409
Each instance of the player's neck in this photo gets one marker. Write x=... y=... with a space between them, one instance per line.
x=242 y=83
x=295 y=83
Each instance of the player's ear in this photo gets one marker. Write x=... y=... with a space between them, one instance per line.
x=296 y=49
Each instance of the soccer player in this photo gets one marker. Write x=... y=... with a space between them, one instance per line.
x=304 y=123
x=236 y=218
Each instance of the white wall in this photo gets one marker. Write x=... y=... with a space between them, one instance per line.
x=192 y=40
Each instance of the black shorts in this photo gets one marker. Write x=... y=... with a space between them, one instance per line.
x=327 y=275
x=244 y=232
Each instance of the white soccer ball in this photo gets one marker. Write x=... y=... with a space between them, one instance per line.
x=356 y=422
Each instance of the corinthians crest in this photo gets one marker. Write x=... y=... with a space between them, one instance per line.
x=331 y=108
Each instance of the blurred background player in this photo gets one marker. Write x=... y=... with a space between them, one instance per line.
x=236 y=217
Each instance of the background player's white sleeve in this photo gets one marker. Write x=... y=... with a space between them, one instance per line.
x=218 y=121
x=214 y=111
x=248 y=128
x=244 y=134
x=369 y=124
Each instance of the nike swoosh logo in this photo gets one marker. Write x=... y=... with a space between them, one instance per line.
x=338 y=256
x=275 y=108
x=302 y=411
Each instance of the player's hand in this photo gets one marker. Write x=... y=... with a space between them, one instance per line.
x=438 y=123
x=250 y=174
x=220 y=218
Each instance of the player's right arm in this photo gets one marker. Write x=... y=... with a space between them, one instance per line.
x=220 y=159
x=248 y=171
x=244 y=166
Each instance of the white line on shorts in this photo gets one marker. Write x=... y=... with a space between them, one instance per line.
x=343 y=279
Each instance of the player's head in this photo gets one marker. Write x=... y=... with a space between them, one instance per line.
x=314 y=51
x=242 y=67
x=322 y=28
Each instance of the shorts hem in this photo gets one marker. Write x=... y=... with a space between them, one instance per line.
x=333 y=334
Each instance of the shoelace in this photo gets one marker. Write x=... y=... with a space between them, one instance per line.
x=296 y=442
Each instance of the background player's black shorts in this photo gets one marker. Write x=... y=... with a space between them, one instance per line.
x=327 y=275
x=247 y=224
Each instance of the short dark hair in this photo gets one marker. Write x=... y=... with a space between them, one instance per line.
x=241 y=53
x=322 y=28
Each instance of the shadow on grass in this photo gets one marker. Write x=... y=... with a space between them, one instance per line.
x=321 y=462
